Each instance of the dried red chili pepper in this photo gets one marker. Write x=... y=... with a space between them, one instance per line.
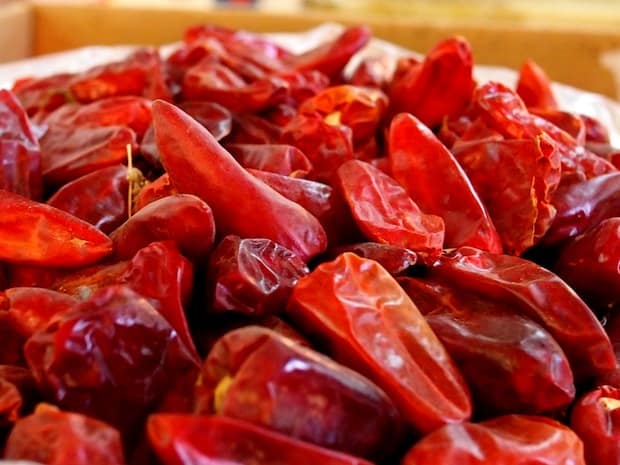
x=534 y=87
x=115 y=338
x=20 y=154
x=512 y=439
x=395 y=260
x=252 y=276
x=182 y=218
x=366 y=321
x=227 y=440
x=373 y=71
x=385 y=213
x=537 y=294
x=571 y=123
x=10 y=403
x=40 y=96
x=258 y=376
x=515 y=179
x=441 y=86
x=37 y=234
x=511 y=364
x=212 y=116
x=595 y=419
x=422 y=165
x=99 y=198
x=185 y=146
x=153 y=191
x=595 y=130
x=252 y=129
x=53 y=437
x=68 y=153
x=275 y=158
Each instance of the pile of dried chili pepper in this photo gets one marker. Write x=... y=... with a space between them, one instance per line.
x=397 y=267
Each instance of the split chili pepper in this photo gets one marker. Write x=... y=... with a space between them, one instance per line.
x=515 y=180
x=364 y=319
x=421 y=163
x=252 y=276
x=385 y=213
x=198 y=165
x=275 y=158
x=182 y=218
x=115 y=338
x=37 y=234
x=534 y=87
x=590 y=264
x=99 y=198
x=20 y=154
x=53 y=437
x=261 y=377
x=440 y=86
x=595 y=418
x=153 y=191
x=511 y=364
x=214 y=439
x=511 y=439
x=538 y=294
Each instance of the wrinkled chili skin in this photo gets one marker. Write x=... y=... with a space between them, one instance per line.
x=364 y=320
x=396 y=260
x=595 y=419
x=511 y=364
x=537 y=294
x=511 y=439
x=115 y=338
x=54 y=437
x=252 y=276
x=214 y=439
x=276 y=383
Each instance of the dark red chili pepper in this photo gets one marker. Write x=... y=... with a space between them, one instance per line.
x=213 y=439
x=423 y=166
x=364 y=319
x=185 y=147
x=261 y=377
x=275 y=158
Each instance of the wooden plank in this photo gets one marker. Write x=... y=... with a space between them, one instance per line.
x=571 y=54
x=15 y=30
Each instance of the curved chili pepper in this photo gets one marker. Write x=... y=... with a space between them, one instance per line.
x=421 y=164
x=54 y=437
x=214 y=439
x=198 y=165
x=534 y=87
x=538 y=294
x=385 y=213
x=367 y=322
x=512 y=439
x=596 y=419
x=261 y=377
x=37 y=234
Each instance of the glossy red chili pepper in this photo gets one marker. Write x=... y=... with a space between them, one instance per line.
x=327 y=146
x=214 y=439
x=20 y=155
x=596 y=419
x=503 y=110
x=182 y=218
x=422 y=165
x=395 y=260
x=508 y=440
x=590 y=264
x=515 y=180
x=115 y=338
x=129 y=111
x=537 y=294
x=275 y=158
x=53 y=437
x=517 y=370
x=534 y=87
x=385 y=213
x=261 y=377
x=360 y=108
x=99 y=198
x=324 y=202
x=252 y=276
x=365 y=320
x=185 y=146
x=69 y=153
x=441 y=86
x=583 y=205
x=37 y=234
